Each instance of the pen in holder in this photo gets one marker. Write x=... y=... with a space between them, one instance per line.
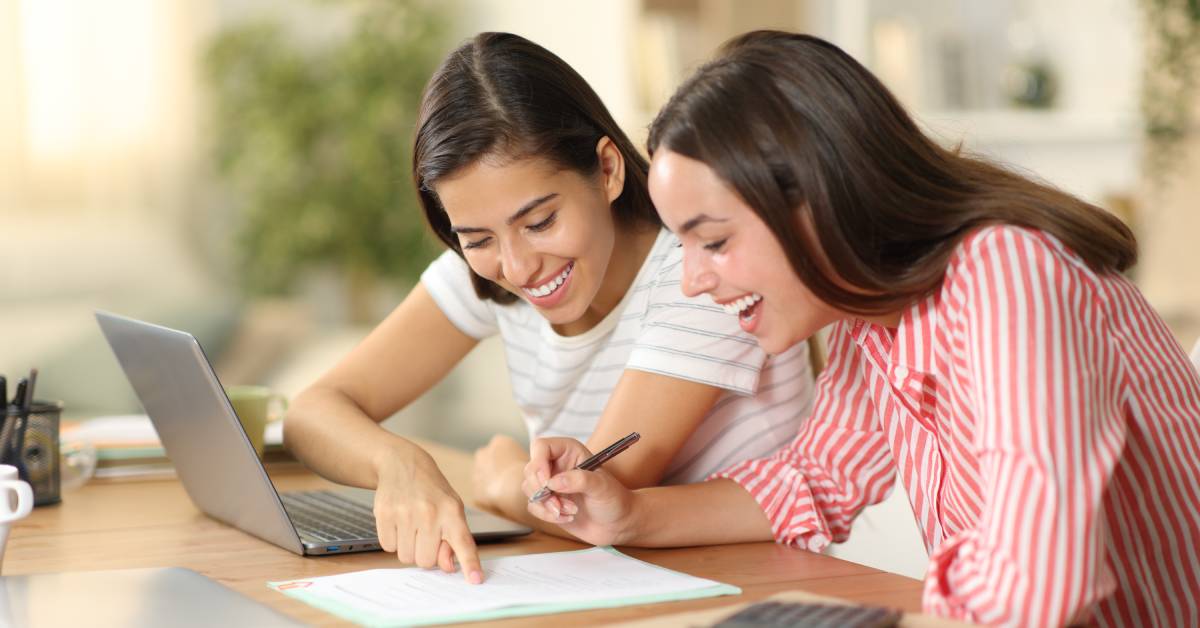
x=29 y=442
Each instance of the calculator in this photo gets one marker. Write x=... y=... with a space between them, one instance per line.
x=810 y=615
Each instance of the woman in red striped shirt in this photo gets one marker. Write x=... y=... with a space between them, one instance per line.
x=986 y=353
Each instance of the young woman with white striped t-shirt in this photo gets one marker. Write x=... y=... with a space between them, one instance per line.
x=555 y=246
x=986 y=353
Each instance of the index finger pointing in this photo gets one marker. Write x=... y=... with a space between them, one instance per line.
x=468 y=556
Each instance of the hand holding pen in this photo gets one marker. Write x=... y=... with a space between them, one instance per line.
x=592 y=505
x=593 y=462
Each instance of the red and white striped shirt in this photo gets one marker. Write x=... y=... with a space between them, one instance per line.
x=1046 y=426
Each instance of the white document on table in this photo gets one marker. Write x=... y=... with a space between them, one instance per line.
x=514 y=585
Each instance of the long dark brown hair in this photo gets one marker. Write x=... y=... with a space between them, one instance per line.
x=793 y=124
x=502 y=96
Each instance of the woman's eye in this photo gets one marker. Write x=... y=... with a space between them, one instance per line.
x=545 y=224
x=716 y=246
x=477 y=244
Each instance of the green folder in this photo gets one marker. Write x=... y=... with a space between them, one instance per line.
x=367 y=618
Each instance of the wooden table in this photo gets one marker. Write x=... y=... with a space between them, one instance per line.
x=127 y=524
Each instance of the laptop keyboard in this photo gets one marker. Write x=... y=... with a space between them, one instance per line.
x=326 y=516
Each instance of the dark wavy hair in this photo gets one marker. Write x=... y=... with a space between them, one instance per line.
x=796 y=126
x=501 y=95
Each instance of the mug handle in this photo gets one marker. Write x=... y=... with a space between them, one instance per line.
x=24 y=500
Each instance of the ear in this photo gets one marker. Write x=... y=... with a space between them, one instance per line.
x=612 y=168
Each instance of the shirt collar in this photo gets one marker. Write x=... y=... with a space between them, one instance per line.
x=915 y=336
x=911 y=343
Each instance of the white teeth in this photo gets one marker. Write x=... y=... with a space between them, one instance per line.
x=736 y=307
x=552 y=285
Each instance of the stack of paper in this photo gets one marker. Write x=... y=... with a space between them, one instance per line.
x=128 y=446
x=514 y=586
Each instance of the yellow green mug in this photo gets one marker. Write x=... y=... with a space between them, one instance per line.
x=256 y=406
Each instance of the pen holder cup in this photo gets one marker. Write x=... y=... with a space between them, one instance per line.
x=38 y=459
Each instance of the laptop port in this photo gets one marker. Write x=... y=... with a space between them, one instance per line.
x=333 y=548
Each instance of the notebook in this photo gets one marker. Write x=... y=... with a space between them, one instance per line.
x=514 y=586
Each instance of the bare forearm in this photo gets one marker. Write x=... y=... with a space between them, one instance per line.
x=333 y=437
x=708 y=513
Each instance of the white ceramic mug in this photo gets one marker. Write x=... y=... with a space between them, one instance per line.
x=16 y=502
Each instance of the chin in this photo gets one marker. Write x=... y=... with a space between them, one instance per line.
x=774 y=346
x=780 y=340
x=555 y=317
x=563 y=314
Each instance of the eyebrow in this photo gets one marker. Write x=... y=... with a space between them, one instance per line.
x=520 y=213
x=696 y=221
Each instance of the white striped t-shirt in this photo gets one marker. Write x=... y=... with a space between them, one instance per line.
x=562 y=383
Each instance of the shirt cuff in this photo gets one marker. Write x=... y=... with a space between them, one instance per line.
x=784 y=496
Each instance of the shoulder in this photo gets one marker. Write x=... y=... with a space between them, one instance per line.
x=448 y=281
x=998 y=251
x=662 y=277
x=665 y=261
x=448 y=267
x=662 y=270
x=449 y=276
x=1008 y=273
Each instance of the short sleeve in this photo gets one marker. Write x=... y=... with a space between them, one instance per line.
x=448 y=280
x=693 y=338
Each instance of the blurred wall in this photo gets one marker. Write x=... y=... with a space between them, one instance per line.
x=100 y=201
x=108 y=200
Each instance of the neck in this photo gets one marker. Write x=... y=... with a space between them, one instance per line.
x=632 y=246
x=889 y=319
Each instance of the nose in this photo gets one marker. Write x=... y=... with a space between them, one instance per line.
x=518 y=264
x=698 y=278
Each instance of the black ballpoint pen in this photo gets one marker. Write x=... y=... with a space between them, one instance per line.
x=594 y=462
x=26 y=408
x=19 y=397
x=13 y=412
x=3 y=416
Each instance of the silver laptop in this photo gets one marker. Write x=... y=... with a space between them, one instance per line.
x=216 y=462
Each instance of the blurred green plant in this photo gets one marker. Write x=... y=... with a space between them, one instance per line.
x=314 y=139
x=1171 y=71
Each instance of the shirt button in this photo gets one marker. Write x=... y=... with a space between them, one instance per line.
x=900 y=372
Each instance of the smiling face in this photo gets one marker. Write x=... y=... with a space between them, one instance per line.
x=543 y=233
x=731 y=254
